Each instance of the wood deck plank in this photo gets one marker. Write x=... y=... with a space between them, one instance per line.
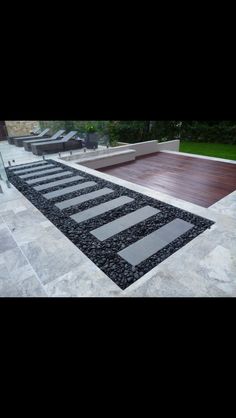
x=195 y=180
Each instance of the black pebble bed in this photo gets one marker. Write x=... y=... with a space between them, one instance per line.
x=104 y=254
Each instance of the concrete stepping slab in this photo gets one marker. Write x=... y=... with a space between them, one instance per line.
x=70 y=189
x=28 y=170
x=100 y=209
x=149 y=245
x=121 y=224
x=57 y=183
x=18 y=167
x=39 y=173
x=52 y=176
x=84 y=198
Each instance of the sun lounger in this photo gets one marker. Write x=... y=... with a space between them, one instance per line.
x=34 y=135
x=11 y=139
x=65 y=144
x=27 y=144
x=19 y=141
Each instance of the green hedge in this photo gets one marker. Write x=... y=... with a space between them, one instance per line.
x=118 y=131
x=127 y=131
x=209 y=131
x=139 y=131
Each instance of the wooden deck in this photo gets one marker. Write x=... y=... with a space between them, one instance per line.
x=195 y=180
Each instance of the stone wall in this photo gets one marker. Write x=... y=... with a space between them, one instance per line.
x=21 y=127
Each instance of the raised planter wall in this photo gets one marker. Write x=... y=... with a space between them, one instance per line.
x=117 y=155
x=108 y=160
x=141 y=148
x=168 y=145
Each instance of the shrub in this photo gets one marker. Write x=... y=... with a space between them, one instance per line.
x=139 y=131
x=128 y=131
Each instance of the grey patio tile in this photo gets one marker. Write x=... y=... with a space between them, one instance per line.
x=149 y=245
x=70 y=189
x=36 y=169
x=41 y=173
x=50 y=177
x=14 y=205
x=6 y=240
x=16 y=168
x=14 y=260
x=51 y=258
x=57 y=183
x=121 y=224
x=29 y=287
x=75 y=283
x=28 y=225
x=100 y=209
x=84 y=198
x=4 y=274
x=17 y=276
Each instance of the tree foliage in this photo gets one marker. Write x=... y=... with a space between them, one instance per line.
x=138 y=131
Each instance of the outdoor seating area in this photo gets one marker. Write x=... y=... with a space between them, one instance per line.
x=28 y=142
x=52 y=146
x=139 y=219
x=18 y=140
x=43 y=143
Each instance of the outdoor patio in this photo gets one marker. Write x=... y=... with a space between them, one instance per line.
x=203 y=181
x=37 y=259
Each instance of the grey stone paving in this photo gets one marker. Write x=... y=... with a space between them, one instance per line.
x=27 y=165
x=57 y=183
x=6 y=241
x=45 y=171
x=52 y=176
x=149 y=245
x=70 y=189
x=124 y=222
x=84 y=198
x=100 y=209
x=28 y=170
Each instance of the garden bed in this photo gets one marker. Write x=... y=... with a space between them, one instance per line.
x=105 y=253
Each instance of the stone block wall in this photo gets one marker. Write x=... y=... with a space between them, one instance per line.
x=21 y=127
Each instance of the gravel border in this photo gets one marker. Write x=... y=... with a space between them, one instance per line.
x=104 y=254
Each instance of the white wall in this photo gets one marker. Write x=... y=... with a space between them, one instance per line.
x=108 y=160
x=169 y=145
x=123 y=153
x=141 y=148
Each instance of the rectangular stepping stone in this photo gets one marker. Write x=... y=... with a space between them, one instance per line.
x=28 y=170
x=39 y=173
x=100 y=209
x=27 y=165
x=70 y=189
x=121 y=224
x=84 y=198
x=52 y=176
x=57 y=183
x=149 y=245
